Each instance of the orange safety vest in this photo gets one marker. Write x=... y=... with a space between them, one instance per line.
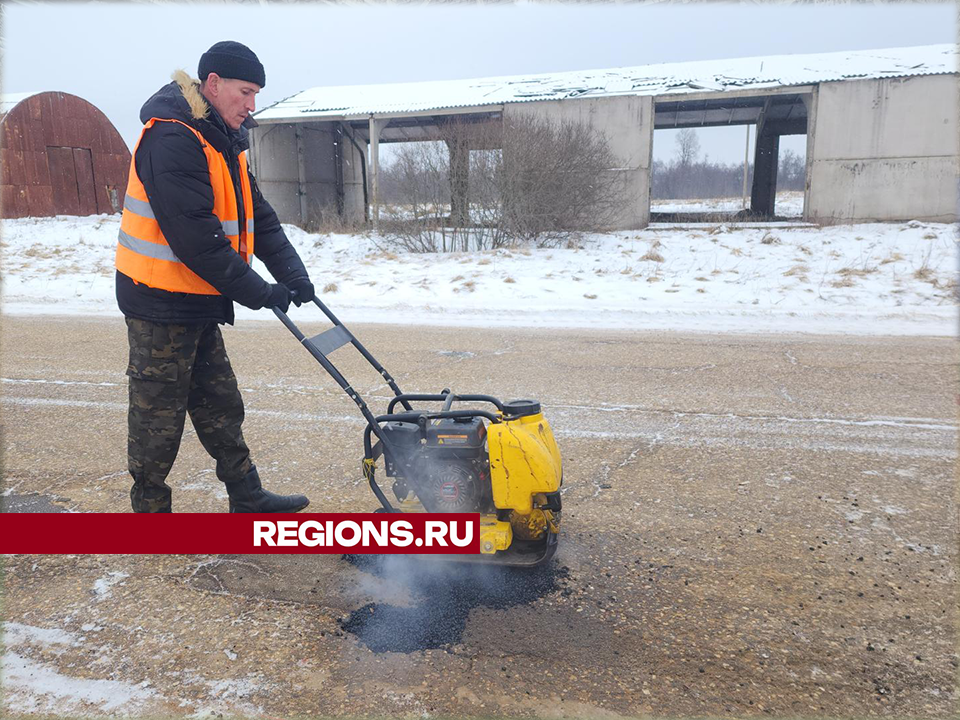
x=143 y=253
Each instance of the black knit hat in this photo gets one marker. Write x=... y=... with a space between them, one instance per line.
x=230 y=59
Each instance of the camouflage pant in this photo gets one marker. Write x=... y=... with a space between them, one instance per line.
x=175 y=370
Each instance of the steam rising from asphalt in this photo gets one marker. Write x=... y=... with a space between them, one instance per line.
x=443 y=594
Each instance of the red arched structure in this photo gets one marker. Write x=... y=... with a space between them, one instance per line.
x=60 y=156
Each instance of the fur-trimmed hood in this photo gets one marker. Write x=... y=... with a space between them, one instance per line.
x=199 y=108
x=182 y=100
x=179 y=100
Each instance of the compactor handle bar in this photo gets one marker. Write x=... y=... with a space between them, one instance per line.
x=331 y=339
x=447 y=398
x=320 y=346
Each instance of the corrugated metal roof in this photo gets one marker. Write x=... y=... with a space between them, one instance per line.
x=660 y=79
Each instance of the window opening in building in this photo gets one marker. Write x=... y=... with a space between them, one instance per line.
x=722 y=159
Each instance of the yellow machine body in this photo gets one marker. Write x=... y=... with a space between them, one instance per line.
x=524 y=461
x=525 y=465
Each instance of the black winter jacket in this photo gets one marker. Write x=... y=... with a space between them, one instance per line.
x=173 y=169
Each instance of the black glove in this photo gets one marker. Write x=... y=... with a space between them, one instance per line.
x=302 y=291
x=279 y=297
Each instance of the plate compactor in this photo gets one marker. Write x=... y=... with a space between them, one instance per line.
x=499 y=460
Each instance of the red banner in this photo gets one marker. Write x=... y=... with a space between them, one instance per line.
x=226 y=534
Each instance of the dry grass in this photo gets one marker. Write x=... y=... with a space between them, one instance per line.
x=590 y=297
x=72 y=269
x=952 y=286
x=843 y=283
x=41 y=251
x=702 y=279
x=469 y=286
x=770 y=239
x=856 y=272
x=329 y=222
x=484 y=261
x=382 y=255
x=330 y=288
x=509 y=279
x=798 y=271
x=458 y=278
x=653 y=256
x=736 y=252
x=923 y=273
x=892 y=258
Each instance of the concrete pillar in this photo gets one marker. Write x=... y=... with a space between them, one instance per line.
x=765 y=162
x=459 y=182
x=376 y=127
x=375 y=170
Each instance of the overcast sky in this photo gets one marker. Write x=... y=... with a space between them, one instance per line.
x=116 y=55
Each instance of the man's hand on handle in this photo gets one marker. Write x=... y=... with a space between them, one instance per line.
x=301 y=291
x=279 y=297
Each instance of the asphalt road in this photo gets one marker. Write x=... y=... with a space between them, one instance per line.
x=753 y=525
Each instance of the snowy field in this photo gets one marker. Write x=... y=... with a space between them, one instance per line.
x=788 y=204
x=869 y=279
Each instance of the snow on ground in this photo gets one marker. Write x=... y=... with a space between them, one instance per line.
x=36 y=666
x=789 y=204
x=859 y=279
x=32 y=686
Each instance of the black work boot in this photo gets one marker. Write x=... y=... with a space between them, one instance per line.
x=148 y=497
x=248 y=496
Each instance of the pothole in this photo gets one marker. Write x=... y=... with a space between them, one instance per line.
x=443 y=593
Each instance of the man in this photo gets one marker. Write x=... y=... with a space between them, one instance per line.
x=193 y=217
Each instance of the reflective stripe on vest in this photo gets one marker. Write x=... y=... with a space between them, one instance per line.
x=144 y=254
x=143 y=209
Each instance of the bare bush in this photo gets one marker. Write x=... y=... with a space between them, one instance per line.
x=494 y=184
x=420 y=194
x=559 y=179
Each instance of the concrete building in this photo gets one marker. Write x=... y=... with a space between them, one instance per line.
x=881 y=129
x=61 y=156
